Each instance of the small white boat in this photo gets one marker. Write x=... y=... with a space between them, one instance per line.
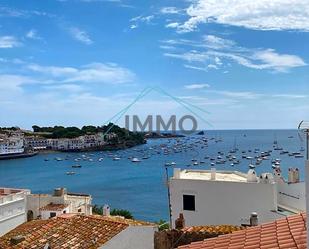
x=251 y=166
x=173 y=163
x=116 y=158
x=70 y=173
x=101 y=159
x=135 y=160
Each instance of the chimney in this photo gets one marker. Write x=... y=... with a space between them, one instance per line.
x=180 y=222
x=296 y=175
x=106 y=210
x=17 y=239
x=177 y=173
x=60 y=191
x=254 y=219
x=213 y=174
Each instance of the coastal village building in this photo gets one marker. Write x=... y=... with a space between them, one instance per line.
x=13 y=210
x=229 y=197
x=36 y=143
x=46 y=206
x=81 y=231
x=11 y=143
x=68 y=144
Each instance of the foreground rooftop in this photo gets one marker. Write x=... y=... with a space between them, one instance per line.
x=10 y=191
x=226 y=176
x=285 y=233
x=66 y=231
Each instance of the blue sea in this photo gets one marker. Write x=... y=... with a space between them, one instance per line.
x=141 y=187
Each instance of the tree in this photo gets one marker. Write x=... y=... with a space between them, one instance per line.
x=122 y=212
x=115 y=212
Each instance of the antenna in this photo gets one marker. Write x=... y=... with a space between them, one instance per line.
x=304 y=127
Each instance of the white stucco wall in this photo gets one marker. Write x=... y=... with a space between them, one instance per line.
x=133 y=237
x=10 y=223
x=36 y=201
x=292 y=195
x=12 y=213
x=220 y=202
x=45 y=214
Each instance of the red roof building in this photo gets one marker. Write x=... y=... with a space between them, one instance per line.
x=286 y=233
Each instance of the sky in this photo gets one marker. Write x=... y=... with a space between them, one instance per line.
x=236 y=64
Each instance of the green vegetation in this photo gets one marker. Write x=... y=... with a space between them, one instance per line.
x=2 y=129
x=114 y=212
x=123 y=135
x=163 y=225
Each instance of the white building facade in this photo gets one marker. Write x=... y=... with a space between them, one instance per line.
x=38 y=204
x=13 y=203
x=229 y=197
x=11 y=144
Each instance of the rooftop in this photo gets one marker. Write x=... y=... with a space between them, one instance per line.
x=226 y=176
x=10 y=191
x=54 y=207
x=65 y=231
x=285 y=233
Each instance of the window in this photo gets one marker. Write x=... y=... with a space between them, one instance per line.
x=189 y=202
x=52 y=214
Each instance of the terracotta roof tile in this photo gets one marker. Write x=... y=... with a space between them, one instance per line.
x=286 y=233
x=54 y=207
x=74 y=232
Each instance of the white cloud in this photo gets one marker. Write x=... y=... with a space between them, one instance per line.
x=196 y=68
x=167 y=47
x=213 y=51
x=170 y=10
x=21 y=13
x=172 y=25
x=80 y=35
x=277 y=61
x=259 y=15
x=95 y=72
x=33 y=34
x=133 y=26
x=238 y=95
x=216 y=42
x=136 y=21
x=290 y=96
x=247 y=95
x=197 y=86
x=5 y=11
x=72 y=88
x=9 y=42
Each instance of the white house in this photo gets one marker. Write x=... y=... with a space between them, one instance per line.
x=12 y=208
x=46 y=206
x=12 y=143
x=229 y=197
x=52 y=210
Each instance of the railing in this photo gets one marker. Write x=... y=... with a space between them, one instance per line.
x=12 y=197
